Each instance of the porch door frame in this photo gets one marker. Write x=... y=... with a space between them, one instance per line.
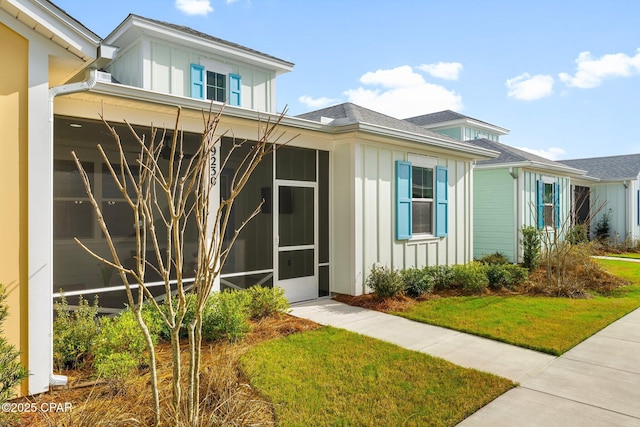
x=302 y=288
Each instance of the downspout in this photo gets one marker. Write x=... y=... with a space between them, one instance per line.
x=516 y=231
x=60 y=380
x=105 y=54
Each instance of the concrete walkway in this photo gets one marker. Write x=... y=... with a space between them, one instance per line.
x=597 y=383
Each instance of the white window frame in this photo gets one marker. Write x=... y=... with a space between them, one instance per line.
x=424 y=162
x=219 y=68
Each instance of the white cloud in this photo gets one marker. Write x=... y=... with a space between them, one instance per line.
x=526 y=87
x=194 y=7
x=316 y=102
x=443 y=70
x=590 y=71
x=551 y=153
x=404 y=93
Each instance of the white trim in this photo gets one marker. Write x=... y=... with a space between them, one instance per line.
x=423 y=161
x=216 y=67
x=246 y=273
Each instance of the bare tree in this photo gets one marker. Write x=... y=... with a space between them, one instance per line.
x=184 y=189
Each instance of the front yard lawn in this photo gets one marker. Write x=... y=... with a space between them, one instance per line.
x=626 y=255
x=551 y=325
x=334 y=377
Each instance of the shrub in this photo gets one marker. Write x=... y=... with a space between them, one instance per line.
x=494 y=259
x=121 y=347
x=74 y=332
x=226 y=316
x=577 y=234
x=470 y=277
x=385 y=282
x=11 y=371
x=603 y=226
x=441 y=276
x=507 y=276
x=264 y=302
x=531 y=248
x=416 y=281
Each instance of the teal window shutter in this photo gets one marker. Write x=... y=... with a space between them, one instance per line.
x=442 y=201
x=403 y=200
x=540 y=203
x=556 y=204
x=197 y=81
x=234 y=90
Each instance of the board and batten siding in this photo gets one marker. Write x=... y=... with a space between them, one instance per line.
x=493 y=213
x=164 y=67
x=364 y=216
x=611 y=199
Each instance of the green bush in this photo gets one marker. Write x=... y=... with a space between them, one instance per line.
x=264 y=302
x=226 y=316
x=385 y=282
x=577 y=234
x=417 y=281
x=441 y=276
x=74 y=332
x=11 y=371
x=507 y=276
x=470 y=277
x=531 y=248
x=121 y=347
x=494 y=258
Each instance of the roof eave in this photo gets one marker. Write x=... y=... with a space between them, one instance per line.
x=245 y=55
x=536 y=165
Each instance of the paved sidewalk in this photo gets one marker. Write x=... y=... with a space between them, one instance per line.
x=597 y=383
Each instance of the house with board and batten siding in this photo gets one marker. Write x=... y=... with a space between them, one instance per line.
x=513 y=190
x=352 y=189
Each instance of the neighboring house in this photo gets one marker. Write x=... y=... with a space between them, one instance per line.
x=354 y=188
x=615 y=193
x=513 y=190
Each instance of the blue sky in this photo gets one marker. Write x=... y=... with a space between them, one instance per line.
x=563 y=76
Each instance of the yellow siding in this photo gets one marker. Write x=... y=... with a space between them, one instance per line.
x=14 y=57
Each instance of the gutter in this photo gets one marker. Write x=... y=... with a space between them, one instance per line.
x=105 y=54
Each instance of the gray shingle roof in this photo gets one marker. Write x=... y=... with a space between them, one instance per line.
x=445 y=116
x=611 y=168
x=438 y=117
x=349 y=113
x=509 y=155
x=192 y=32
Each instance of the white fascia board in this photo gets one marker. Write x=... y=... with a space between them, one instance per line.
x=144 y=95
x=468 y=121
x=477 y=152
x=196 y=42
x=540 y=166
x=53 y=23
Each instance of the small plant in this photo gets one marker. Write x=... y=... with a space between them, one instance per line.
x=11 y=371
x=531 y=248
x=578 y=234
x=470 y=277
x=264 y=302
x=495 y=258
x=74 y=332
x=441 y=275
x=120 y=346
x=508 y=276
x=385 y=282
x=417 y=281
x=226 y=316
x=603 y=226
x=106 y=273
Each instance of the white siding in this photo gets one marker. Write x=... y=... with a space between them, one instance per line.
x=374 y=206
x=164 y=67
x=611 y=199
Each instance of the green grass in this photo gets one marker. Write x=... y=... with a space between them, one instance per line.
x=551 y=325
x=334 y=377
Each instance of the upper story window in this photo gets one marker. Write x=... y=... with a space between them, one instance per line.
x=215 y=82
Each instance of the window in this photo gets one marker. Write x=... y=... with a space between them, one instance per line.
x=214 y=85
x=421 y=198
x=548 y=201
